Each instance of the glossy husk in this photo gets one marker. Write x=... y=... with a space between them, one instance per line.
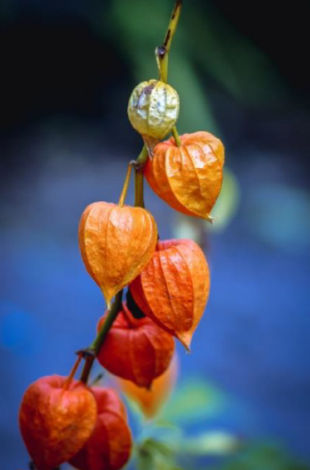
x=153 y=108
x=174 y=286
x=136 y=349
x=189 y=177
x=110 y=444
x=116 y=243
x=55 y=422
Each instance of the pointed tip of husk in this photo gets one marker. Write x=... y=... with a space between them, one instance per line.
x=108 y=295
x=107 y=298
x=210 y=219
x=185 y=339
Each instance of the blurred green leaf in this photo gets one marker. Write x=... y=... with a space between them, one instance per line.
x=231 y=59
x=154 y=455
x=213 y=443
x=227 y=203
x=261 y=456
x=193 y=401
x=195 y=109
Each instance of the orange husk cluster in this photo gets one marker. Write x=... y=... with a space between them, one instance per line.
x=188 y=177
x=63 y=420
x=56 y=419
x=174 y=287
x=136 y=349
x=116 y=243
x=151 y=400
x=110 y=444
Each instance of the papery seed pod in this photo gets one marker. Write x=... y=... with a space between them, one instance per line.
x=110 y=444
x=189 y=177
x=153 y=108
x=151 y=400
x=174 y=286
x=135 y=349
x=56 y=421
x=116 y=243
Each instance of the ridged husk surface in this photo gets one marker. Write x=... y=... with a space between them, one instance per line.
x=174 y=286
x=109 y=446
x=153 y=108
x=136 y=349
x=116 y=243
x=189 y=177
x=55 y=423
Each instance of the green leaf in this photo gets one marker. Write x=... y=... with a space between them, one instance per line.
x=263 y=456
x=231 y=59
x=155 y=455
x=227 y=204
x=193 y=401
x=215 y=443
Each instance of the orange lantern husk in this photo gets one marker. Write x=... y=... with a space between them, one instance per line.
x=56 y=418
x=136 y=349
x=188 y=177
x=116 y=242
x=174 y=287
x=151 y=400
x=110 y=444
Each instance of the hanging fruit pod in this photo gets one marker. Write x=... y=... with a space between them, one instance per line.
x=56 y=419
x=116 y=242
x=153 y=109
x=110 y=444
x=135 y=349
x=151 y=400
x=174 y=286
x=188 y=177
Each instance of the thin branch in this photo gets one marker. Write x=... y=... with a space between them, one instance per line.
x=162 y=52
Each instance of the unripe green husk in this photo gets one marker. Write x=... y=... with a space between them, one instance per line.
x=153 y=108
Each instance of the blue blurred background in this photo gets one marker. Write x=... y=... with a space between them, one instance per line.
x=68 y=70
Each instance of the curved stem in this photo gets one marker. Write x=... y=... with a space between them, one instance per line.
x=162 y=51
x=72 y=373
x=125 y=186
x=92 y=351
x=176 y=136
x=139 y=188
x=142 y=158
x=111 y=315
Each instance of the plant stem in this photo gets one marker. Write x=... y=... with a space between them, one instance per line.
x=112 y=314
x=176 y=136
x=125 y=186
x=142 y=158
x=139 y=189
x=162 y=51
x=72 y=373
x=92 y=351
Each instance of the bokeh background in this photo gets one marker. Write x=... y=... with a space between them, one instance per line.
x=68 y=70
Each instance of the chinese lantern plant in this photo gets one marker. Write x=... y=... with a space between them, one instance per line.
x=67 y=420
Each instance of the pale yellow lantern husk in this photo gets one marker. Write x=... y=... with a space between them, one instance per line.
x=153 y=108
